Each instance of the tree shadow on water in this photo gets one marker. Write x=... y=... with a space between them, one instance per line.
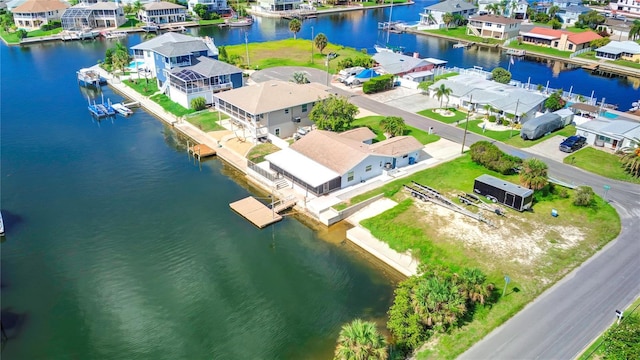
x=12 y=323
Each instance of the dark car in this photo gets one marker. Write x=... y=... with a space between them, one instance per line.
x=572 y=143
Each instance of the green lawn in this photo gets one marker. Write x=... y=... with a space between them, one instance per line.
x=258 y=152
x=206 y=120
x=574 y=29
x=373 y=3
x=169 y=106
x=210 y=22
x=474 y=126
x=373 y=123
x=409 y=227
x=461 y=33
x=143 y=87
x=600 y=162
x=38 y=33
x=540 y=49
x=517 y=141
x=131 y=22
x=290 y=52
x=10 y=38
x=590 y=55
x=458 y=116
x=626 y=63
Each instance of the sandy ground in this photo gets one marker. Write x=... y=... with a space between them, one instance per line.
x=228 y=140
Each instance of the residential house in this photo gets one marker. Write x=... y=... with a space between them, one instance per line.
x=566 y=3
x=516 y=9
x=32 y=14
x=431 y=17
x=611 y=134
x=569 y=15
x=170 y=50
x=93 y=14
x=493 y=26
x=619 y=29
x=324 y=161
x=279 y=5
x=213 y=6
x=475 y=92
x=619 y=50
x=400 y=64
x=629 y=6
x=162 y=12
x=559 y=39
x=271 y=109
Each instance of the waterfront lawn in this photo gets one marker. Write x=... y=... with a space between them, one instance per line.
x=474 y=126
x=38 y=33
x=373 y=123
x=210 y=22
x=626 y=63
x=258 y=152
x=10 y=37
x=436 y=236
x=461 y=33
x=589 y=55
x=458 y=115
x=290 y=52
x=170 y=106
x=206 y=120
x=374 y=3
x=540 y=50
x=142 y=86
x=600 y=162
x=131 y=22
x=517 y=141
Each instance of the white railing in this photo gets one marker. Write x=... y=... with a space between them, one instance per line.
x=508 y=41
x=579 y=52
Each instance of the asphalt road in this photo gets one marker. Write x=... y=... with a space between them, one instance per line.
x=566 y=318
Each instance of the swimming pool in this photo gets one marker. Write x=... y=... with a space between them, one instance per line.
x=609 y=115
x=136 y=64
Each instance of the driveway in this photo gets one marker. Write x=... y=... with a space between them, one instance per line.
x=549 y=148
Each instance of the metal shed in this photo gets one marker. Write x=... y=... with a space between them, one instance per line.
x=504 y=192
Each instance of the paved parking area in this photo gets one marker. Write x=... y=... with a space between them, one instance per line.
x=549 y=148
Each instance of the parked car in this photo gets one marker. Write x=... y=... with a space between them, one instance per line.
x=362 y=77
x=344 y=74
x=573 y=143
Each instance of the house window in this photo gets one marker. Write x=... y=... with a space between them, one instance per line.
x=276 y=131
x=570 y=46
x=368 y=168
x=350 y=176
x=286 y=111
x=555 y=44
x=304 y=107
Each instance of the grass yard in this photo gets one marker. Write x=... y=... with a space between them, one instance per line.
x=210 y=22
x=291 y=52
x=600 y=162
x=461 y=33
x=626 y=63
x=142 y=87
x=10 y=37
x=170 y=106
x=458 y=116
x=258 y=152
x=206 y=120
x=373 y=123
x=131 y=22
x=474 y=126
x=38 y=33
x=517 y=141
x=540 y=50
x=533 y=248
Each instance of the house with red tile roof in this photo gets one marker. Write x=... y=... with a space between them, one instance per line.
x=32 y=14
x=559 y=39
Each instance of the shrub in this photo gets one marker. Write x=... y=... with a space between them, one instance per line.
x=198 y=103
x=492 y=118
x=377 y=84
x=491 y=157
x=584 y=196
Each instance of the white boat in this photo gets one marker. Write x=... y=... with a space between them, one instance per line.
x=90 y=77
x=391 y=49
x=121 y=109
x=387 y=26
x=1 y=225
x=113 y=34
x=239 y=22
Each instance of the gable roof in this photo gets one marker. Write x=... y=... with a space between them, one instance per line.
x=273 y=95
x=451 y=6
x=165 y=38
x=361 y=134
x=576 y=9
x=550 y=34
x=37 y=6
x=497 y=19
x=173 y=44
x=209 y=67
x=617 y=47
x=161 y=5
x=394 y=63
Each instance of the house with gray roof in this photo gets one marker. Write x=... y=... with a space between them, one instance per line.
x=569 y=15
x=171 y=50
x=431 y=17
x=162 y=12
x=612 y=134
x=213 y=6
x=626 y=50
x=270 y=109
x=325 y=161
x=400 y=64
x=93 y=14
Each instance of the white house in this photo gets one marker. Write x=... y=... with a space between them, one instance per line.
x=516 y=9
x=272 y=108
x=493 y=26
x=570 y=14
x=566 y=3
x=279 y=5
x=615 y=50
x=32 y=14
x=608 y=133
x=214 y=6
x=162 y=12
x=89 y=15
x=629 y=6
x=431 y=17
x=325 y=161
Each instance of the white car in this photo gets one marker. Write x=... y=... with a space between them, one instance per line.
x=344 y=74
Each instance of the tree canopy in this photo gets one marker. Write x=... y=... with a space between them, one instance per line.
x=320 y=42
x=501 y=75
x=534 y=174
x=335 y=113
x=393 y=125
x=555 y=101
x=360 y=340
x=591 y=19
x=294 y=27
x=621 y=341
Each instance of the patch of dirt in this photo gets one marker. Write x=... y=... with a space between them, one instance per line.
x=444 y=112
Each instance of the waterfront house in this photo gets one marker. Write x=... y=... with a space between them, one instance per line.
x=566 y=3
x=611 y=134
x=619 y=50
x=516 y=9
x=431 y=17
x=559 y=39
x=400 y=64
x=271 y=109
x=213 y=6
x=324 y=161
x=629 y=6
x=569 y=15
x=474 y=92
x=90 y=15
x=32 y=14
x=162 y=12
x=493 y=26
x=279 y=5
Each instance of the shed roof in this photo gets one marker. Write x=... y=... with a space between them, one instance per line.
x=505 y=185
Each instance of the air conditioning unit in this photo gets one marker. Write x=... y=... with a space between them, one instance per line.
x=296 y=119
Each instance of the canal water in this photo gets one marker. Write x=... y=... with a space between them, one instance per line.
x=120 y=247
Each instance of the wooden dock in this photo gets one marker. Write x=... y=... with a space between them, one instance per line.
x=256 y=212
x=591 y=67
x=201 y=151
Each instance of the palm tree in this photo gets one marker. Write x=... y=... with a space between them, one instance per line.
x=553 y=11
x=393 y=125
x=631 y=157
x=137 y=6
x=320 y=41
x=448 y=19
x=634 y=31
x=488 y=108
x=360 y=340
x=294 y=27
x=472 y=285
x=534 y=174
x=443 y=91
x=493 y=8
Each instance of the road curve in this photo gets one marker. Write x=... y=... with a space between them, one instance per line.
x=565 y=319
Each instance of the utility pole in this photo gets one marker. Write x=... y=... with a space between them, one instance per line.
x=514 y=119
x=312 y=44
x=246 y=44
x=466 y=126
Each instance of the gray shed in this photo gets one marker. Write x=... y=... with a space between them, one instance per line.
x=536 y=128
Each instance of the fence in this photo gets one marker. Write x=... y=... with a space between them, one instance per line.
x=579 y=52
x=262 y=172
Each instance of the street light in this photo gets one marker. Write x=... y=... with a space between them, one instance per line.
x=327 y=63
x=312 y=44
x=466 y=125
x=246 y=44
